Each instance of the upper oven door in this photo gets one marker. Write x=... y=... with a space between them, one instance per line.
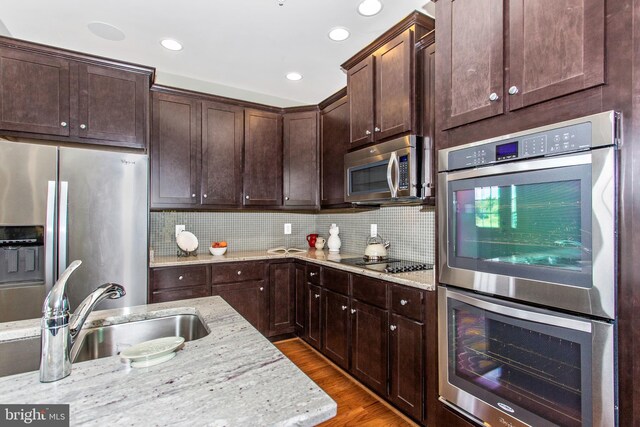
x=541 y=231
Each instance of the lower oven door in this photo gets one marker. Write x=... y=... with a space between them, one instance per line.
x=508 y=364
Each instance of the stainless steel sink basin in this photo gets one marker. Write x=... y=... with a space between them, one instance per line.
x=111 y=340
x=24 y=355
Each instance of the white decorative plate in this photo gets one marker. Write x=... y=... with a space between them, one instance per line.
x=153 y=349
x=187 y=241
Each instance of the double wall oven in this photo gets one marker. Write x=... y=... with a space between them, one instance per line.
x=527 y=260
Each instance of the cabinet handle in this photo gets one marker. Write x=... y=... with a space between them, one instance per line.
x=493 y=97
x=513 y=90
x=377 y=129
x=246 y=197
x=261 y=288
x=239 y=272
x=63 y=124
x=204 y=195
x=344 y=307
x=286 y=198
x=180 y=277
x=83 y=126
x=392 y=327
x=367 y=132
x=316 y=295
x=353 y=310
x=313 y=274
x=193 y=195
x=404 y=302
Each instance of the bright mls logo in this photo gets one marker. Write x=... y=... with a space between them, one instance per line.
x=34 y=415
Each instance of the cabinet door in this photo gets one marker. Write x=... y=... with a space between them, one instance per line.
x=34 y=93
x=334 y=123
x=407 y=345
x=300 y=158
x=281 y=298
x=360 y=87
x=175 y=148
x=247 y=298
x=555 y=48
x=314 y=328
x=222 y=138
x=300 y=302
x=335 y=344
x=369 y=345
x=180 y=294
x=394 y=86
x=112 y=105
x=263 y=158
x=469 y=60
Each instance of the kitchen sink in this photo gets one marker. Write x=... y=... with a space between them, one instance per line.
x=93 y=343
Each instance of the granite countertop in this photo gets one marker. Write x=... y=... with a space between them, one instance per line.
x=417 y=279
x=232 y=377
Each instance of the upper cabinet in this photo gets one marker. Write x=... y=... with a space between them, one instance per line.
x=553 y=49
x=263 y=158
x=334 y=141
x=50 y=93
x=382 y=81
x=300 y=159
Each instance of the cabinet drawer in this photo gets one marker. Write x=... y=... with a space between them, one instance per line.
x=180 y=293
x=369 y=290
x=313 y=274
x=237 y=272
x=179 y=277
x=335 y=280
x=407 y=302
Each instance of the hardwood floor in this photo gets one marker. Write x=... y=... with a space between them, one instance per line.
x=356 y=406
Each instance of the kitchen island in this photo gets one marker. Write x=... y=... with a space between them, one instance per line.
x=231 y=377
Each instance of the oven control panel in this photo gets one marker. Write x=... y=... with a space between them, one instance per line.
x=403 y=165
x=556 y=141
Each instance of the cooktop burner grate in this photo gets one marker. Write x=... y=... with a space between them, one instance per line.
x=390 y=265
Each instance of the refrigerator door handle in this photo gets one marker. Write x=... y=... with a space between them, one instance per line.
x=49 y=238
x=63 y=235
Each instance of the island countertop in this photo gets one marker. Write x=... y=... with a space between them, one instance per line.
x=231 y=377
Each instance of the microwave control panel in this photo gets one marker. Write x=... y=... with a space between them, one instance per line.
x=403 y=165
x=556 y=141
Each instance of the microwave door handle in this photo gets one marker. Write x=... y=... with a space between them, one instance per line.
x=392 y=188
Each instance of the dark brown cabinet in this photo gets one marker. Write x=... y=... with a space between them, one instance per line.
x=175 y=283
x=336 y=320
x=49 y=92
x=175 y=151
x=552 y=51
x=314 y=309
x=334 y=125
x=282 y=287
x=370 y=340
x=249 y=299
x=300 y=300
x=263 y=158
x=361 y=89
x=300 y=159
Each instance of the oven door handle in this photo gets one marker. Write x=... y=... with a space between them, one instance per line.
x=393 y=159
x=509 y=309
x=522 y=166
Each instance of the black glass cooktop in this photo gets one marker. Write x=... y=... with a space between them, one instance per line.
x=389 y=265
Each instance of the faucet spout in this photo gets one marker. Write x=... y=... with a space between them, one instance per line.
x=102 y=292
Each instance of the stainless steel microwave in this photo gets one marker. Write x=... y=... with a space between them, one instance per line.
x=389 y=172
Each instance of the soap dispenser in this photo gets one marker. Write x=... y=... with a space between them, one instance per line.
x=334 y=242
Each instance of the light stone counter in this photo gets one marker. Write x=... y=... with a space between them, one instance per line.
x=232 y=377
x=418 y=279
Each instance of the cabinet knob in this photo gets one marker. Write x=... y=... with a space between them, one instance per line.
x=367 y=132
x=313 y=274
x=353 y=310
x=493 y=97
x=513 y=90
x=246 y=197
x=377 y=129
x=204 y=195
x=316 y=295
x=83 y=126
x=392 y=327
x=344 y=307
x=180 y=277
x=404 y=302
x=193 y=195
x=239 y=272
x=261 y=288
x=286 y=198
x=63 y=124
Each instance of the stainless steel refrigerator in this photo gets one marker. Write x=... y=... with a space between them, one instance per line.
x=59 y=204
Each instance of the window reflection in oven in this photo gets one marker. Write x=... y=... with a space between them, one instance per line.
x=538 y=368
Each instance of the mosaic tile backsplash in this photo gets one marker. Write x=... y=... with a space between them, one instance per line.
x=410 y=230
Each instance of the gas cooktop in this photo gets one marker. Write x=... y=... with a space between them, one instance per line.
x=389 y=265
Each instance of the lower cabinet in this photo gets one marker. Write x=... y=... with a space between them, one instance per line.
x=314 y=325
x=281 y=298
x=247 y=298
x=370 y=340
x=176 y=283
x=300 y=300
x=407 y=362
x=335 y=343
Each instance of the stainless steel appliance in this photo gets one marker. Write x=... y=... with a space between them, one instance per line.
x=387 y=265
x=395 y=171
x=531 y=216
x=507 y=364
x=60 y=204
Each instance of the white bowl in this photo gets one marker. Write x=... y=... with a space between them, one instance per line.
x=217 y=251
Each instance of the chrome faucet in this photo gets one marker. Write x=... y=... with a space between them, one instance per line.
x=60 y=328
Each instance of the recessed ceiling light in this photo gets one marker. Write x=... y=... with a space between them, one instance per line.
x=294 y=76
x=106 y=31
x=339 y=34
x=171 y=44
x=369 y=7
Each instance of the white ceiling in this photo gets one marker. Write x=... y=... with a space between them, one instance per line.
x=236 y=48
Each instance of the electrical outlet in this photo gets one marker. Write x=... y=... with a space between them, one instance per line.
x=374 y=230
x=287 y=229
x=179 y=229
